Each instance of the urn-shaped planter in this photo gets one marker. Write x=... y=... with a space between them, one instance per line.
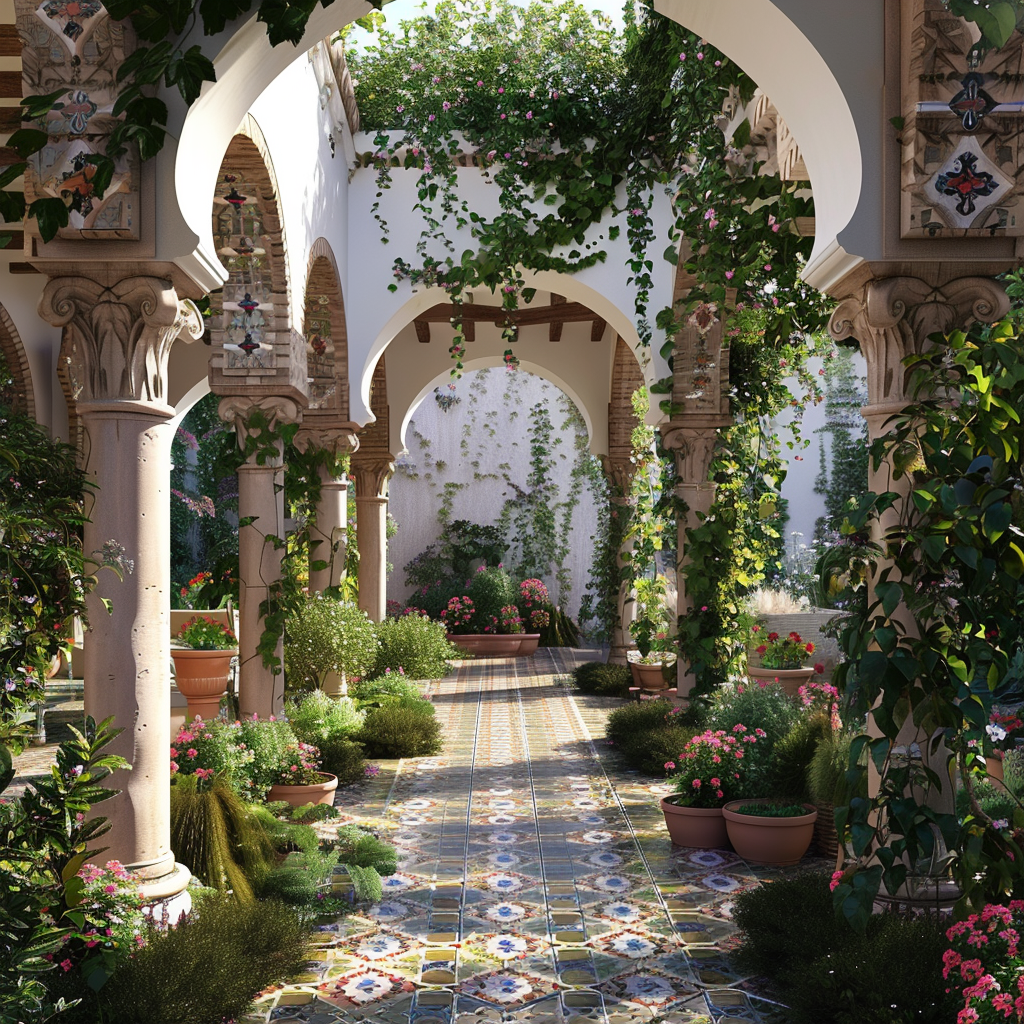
x=202 y=679
x=298 y=796
x=790 y=679
x=496 y=645
x=651 y=677
x=761 y=839
x=699 y=827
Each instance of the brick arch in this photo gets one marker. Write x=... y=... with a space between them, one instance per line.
x=324 y=304
x=627 y=376
x=22 y=396
x=247 y=171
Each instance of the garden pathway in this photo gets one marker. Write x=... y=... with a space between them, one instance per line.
x=536 y=880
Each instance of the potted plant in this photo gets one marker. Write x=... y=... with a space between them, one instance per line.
x=710 y=770
x=326 y=641
x=485 y=620
x=769 y=831
x=651 y=630
x=782 y=659
x=202 y=651
x=299 y=778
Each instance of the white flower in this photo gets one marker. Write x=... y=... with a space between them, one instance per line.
x=995 y=732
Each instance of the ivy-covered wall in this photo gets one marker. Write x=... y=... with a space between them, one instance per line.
x=503 y=448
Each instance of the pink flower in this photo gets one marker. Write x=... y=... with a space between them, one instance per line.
x=192 y=752
x=529 y=115
x=730 y=274
x=682 y=56
x=110 y=888
x=670 y=765
x=837 y=877
x=480 y=84
x=66 y=965
x=696 y=783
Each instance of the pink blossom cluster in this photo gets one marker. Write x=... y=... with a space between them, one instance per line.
x=986 y=965
x=710 y=765
x=458 y=614
x=533 y=591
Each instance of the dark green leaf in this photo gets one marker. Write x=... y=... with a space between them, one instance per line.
x=51 y=215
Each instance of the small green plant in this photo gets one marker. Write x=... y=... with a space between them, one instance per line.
x=358 y=846
x=828 y=766
x=316 y=716
x=415 y=644
x=792 y=756
x=601 y=679
x=266 y=742
x=206 y=970
x=491 y=590
x=400 y=732
x=325 y=635
x=649 y=734
x=772 y=810
x=781 y=652
x=388 y=690
x=201 y=633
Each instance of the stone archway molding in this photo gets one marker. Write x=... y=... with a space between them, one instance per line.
x=13 y=350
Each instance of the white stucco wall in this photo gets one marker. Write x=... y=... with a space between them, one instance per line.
x=485 y=435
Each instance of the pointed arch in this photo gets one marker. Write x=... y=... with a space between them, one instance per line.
x=324 y=311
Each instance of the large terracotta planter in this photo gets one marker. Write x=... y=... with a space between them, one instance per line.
x=202 y=678
x=650 y=677
x=496 y=645
x=790 y=679
x=775 y=841
x=299 y=796
x=700 y=827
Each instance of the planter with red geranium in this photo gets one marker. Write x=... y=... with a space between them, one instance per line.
x=300 y=780
x=782 y=659
x=202 y=651
x=485 y=622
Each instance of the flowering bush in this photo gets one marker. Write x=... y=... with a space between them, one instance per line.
x=782 y=652
x=540 y=619
x=264 y=742
x=511 y=622
x=458 y=615
x=300 y=766
x=986 y=964
x=823 y=697
x=415 y=645
x=189 y=593
x=533 y=592
x=202 y=633
x=710 y=767
x=325 y=635
x=208 y=750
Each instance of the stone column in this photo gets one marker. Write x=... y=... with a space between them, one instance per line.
x=892 y=319
x=619 y=473
x=261 y=515
x=329 y=534
x=372 y=473
x=117 y=338
x=693 y=442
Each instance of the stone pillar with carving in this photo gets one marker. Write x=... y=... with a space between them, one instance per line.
x=329 y=533
x=892 y=319
x=371 y=472
x=261 y=538
x=619 y=473
x=118 y=332
x=692 y=440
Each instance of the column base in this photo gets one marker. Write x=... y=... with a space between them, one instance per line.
x=167 y=899
x=617 y=654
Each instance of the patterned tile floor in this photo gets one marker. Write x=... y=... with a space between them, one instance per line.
x=536 y=880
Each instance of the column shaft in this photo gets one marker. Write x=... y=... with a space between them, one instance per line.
x=330 y=531
x=371 y=539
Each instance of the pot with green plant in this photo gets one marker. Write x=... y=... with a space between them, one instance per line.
x=708 y=773
x=202 y=651
x=485 y=620
x=783 y=659
x=653 y=663
x=768 y=831
x=300 y=780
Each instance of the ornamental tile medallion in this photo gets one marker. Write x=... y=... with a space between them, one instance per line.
x=72 y=21
x=967 y=185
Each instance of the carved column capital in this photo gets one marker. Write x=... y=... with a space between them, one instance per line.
x=338 y=439
x=117 y=338
x=694 y=448
x=895 y=317
x=371 y=473
x=238 y=412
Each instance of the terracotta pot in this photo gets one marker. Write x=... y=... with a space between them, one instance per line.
x=790 y=679
x=701 y=827
x=496 y=645
x=299 y=796
x=650 y=677
x=775 y=841
x=202 y=678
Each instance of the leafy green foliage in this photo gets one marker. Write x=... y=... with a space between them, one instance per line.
x=826 y=973
x=793 y=755
x=330 y=725
x=649 y=734
x=207 y=969
x=772 y=810
x=46 y=836
x=357 y=846
x=945 y=618
x=603 y=680
x=326 y=635
x=397 y=731
x=997 y=19
x=415 y=644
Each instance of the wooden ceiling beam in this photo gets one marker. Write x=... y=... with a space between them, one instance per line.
x=422 y=331
x=555 y=327
x=597 y=330
x=568 y=312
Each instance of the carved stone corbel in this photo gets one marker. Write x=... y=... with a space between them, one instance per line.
x=340 y=439
x=118 y=338
x=896 y=317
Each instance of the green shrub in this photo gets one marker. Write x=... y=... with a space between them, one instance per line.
x=416 y=645
x=357 y=846
x=400 y=732
x=206 y=970
x=344 y=758
x=993 y=801
x=490 y=590
x=770 y=810
x=604 y=680
x=218 y=837
x=325 y=635
x=367 y=883
x=648 y=734
x=267 y=742
x=389 y=690
x=826 y=973
x=792 y=756
x=329 y=723
x=828 y=766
